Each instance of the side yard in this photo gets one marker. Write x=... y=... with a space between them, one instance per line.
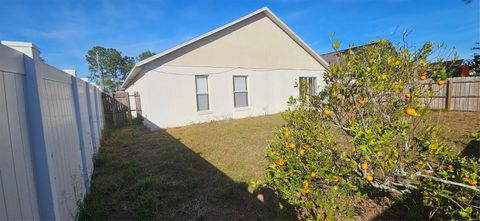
x=200 y=171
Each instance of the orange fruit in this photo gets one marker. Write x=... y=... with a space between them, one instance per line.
x=426 y=196
x=423 y=77
x=281 y=162
x=364 y=166
x=450 y=168
x=408 y=95
x=307 y=190
x=313 y=174
x=441 y=82
x=472 y=182
x=335 y=178
x=305 y=184
x=410 y=111
x=361 y=101
x=291 y=145
x=369 y=178
x=302 y=152
x=465 y=179
x=327 y=112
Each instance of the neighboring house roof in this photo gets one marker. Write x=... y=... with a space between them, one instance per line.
x=335 y=57
x=139 y=66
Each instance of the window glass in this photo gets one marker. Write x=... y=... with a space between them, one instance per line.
x=240 y=94
x=201 y=83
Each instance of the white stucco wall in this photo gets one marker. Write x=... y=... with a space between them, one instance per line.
x=169 y=98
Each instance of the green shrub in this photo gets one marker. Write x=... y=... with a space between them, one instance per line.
x=376 y=98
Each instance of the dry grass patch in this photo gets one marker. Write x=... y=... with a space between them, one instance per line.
x=201 y=171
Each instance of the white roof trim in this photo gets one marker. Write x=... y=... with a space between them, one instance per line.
x=267 y=11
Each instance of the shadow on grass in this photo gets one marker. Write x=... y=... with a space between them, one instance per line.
x=151 y=175
x=472 y=149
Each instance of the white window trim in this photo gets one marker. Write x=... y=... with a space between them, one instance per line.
x=314 y=86
x=207 y=111
x=246 y=91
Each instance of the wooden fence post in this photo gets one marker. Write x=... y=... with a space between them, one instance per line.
x=138 y=106
x=449 y=95
x=127 y=101
x=114 y=110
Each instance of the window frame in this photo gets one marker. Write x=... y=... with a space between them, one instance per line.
x=310 y=90
x=197 y=93
x=235 y=92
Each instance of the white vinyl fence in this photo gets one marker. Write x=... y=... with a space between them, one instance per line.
x=50 y=128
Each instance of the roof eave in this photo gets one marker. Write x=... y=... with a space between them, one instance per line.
x=265 y=10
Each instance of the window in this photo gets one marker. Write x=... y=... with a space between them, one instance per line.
x=307 y=86
x=201 y=83
x=240 y=94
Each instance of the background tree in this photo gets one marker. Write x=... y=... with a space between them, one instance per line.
x=144 y=55
x=107 y=67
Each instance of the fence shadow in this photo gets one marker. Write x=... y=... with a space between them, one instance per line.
x=472 y=149
x=170 y=182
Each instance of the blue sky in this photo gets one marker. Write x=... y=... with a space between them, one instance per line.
x=65 y=30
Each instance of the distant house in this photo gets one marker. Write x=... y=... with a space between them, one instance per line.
x=459 y=68
x=248 y=67
x=336 y=56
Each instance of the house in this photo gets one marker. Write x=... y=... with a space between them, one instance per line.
x=248 y=67
x=335 y=57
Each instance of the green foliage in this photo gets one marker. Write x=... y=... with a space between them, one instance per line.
x=144 y=55
x=376 y=97
x=107 y=67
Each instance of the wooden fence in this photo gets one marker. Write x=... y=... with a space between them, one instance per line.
x=122 y=108
x=458 y=94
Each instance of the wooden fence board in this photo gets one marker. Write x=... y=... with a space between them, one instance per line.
x=458 y=94
x=117 y=108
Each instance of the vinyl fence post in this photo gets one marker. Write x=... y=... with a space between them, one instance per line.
x=90 y=118
x=78 y=117
x=97 y=114
x=33 y=91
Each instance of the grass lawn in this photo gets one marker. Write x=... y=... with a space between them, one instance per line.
x=200 y=171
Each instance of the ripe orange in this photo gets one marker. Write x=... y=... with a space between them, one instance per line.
x=281 y=162
x=361 y=101
x=336 y=85
x=423 y=77
x=369 y=178
x=305 y=184
x=472 y=182
x=426 y=196
x=441 y=82
x=450 y=168
x=465 y=179
x=327 y=112
x=408 y=95
x=411 y=112
x=364 y=166
x=335 y=178
x=302 y=152
x=313 y=174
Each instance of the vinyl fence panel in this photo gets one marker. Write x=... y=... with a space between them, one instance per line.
x=50 y=127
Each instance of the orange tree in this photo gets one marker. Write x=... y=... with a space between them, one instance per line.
x=376 y=97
